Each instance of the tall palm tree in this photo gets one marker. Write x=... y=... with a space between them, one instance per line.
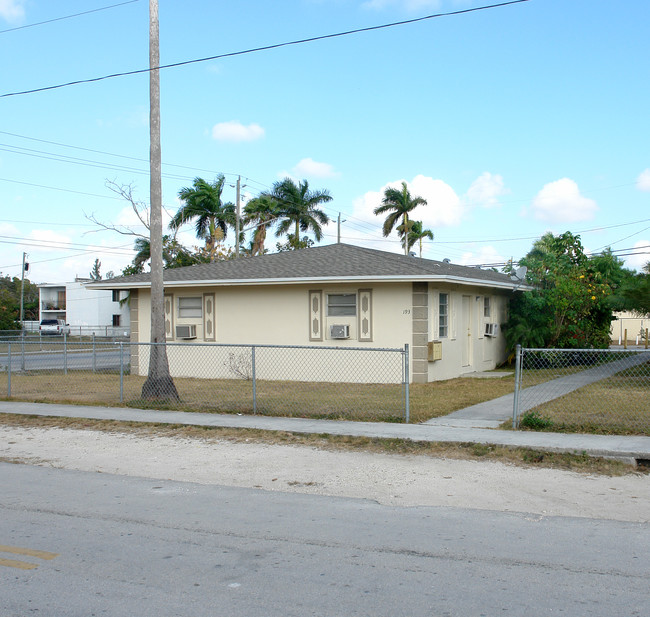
x=416 y=234
x=202 y=202
x=398 y=203
x=261 y=211
x=298 y=207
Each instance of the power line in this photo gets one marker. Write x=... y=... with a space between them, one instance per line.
x=124 y=156
x=49 y=21
x=266 y=47
x=62 y=245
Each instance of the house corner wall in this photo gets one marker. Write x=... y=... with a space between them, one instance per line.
x=419 y=362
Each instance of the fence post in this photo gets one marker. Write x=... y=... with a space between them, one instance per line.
x=515 y=404
x=407 y=407
x=121 y=372
x=65 y=353
x=254 y=379
x=94 y=355
x=8 y=370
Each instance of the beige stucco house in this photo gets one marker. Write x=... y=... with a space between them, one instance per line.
x=337 y=295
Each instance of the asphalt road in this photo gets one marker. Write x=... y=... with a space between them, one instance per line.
x=57 y=360
x=117 y=545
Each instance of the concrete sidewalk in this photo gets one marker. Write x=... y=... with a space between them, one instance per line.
x=628 y=448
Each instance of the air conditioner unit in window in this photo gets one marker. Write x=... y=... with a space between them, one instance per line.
x=186 y=331
x=491 y=329
x=340 y=331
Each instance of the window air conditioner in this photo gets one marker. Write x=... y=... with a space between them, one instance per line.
x=491 y=329
x=340 y=331
x=186 y=331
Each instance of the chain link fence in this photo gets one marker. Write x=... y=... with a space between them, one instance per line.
x=583 y=390
x=82 y=333
x=301 y=381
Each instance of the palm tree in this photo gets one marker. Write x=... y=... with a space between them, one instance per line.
x=298 y=206
x=416 y=234
x=202 y=201
x=398 y=203
x=261 y=211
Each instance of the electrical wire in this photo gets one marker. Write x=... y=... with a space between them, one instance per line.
x=266 y=47
x=49 y=21
x=124 y=156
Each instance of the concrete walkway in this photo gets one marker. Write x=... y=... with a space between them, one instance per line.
x=629 y=448
x=491 y=414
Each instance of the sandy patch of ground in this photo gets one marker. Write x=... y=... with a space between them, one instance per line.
x=395 y=480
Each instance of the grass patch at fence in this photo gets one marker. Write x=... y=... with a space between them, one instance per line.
x=345 y=401
x=279 y=398
x=617 y=405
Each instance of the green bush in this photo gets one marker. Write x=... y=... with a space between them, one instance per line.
x=534 y=421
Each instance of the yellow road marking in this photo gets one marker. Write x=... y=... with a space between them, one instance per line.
x=21 y=565
x=16 y=550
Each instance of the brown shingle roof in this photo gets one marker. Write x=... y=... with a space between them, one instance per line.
x=335 y=262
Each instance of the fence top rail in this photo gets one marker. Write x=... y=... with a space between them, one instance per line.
x=552 y=350
x=231 y=345
x=270 y=346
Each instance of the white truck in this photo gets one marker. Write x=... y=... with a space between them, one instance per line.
x=54 y=326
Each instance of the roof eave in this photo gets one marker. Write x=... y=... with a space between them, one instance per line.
x=459 y=280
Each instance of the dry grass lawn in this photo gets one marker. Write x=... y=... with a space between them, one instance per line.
x=302 y=399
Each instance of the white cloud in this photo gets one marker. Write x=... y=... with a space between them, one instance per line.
x=643 y=181
x=486 y=190
x=308 y=168
x=484 y=255
x=12 y=11
x=235 y=131
x=409 y=5
x=561 y=202
x=641 y=258
x=47 y=240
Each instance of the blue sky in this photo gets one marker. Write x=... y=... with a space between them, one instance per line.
x=511 y=121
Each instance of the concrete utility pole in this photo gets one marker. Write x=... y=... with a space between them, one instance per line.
x=159 y=384
x=22 y=292
x=237 y=217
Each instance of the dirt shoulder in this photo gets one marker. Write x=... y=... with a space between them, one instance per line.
x=403 y=480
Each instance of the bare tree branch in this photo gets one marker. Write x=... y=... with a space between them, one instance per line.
x=140 y=208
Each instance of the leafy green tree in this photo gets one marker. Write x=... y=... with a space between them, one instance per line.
x=95 y=273
x=175 y=255
x=12 y=287
x=636 y=292
x=398 y=204
x=293 y=245
x=299 y=209
x=570 y=306
x=9 y=309
x=202 y=202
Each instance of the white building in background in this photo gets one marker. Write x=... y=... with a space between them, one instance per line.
x=87 y=311
x=629 y=326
